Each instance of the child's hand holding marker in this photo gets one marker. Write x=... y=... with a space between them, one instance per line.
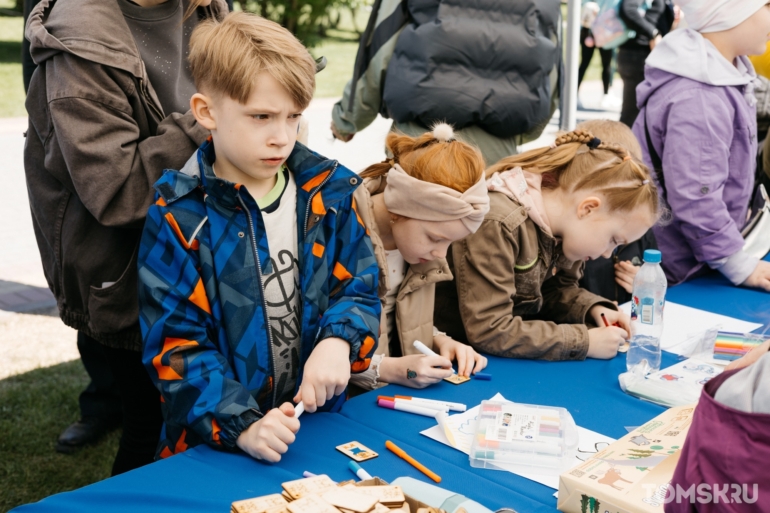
x=326 y=373
x=468 y=360
x=603 y=342
x=415 y=370
x=269 y=437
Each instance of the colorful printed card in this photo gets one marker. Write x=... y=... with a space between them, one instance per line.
x=357 y=451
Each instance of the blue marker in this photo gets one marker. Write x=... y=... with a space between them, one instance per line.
x=358 y=471
x=482 y=376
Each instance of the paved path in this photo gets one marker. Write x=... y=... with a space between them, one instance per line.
x=32 y=336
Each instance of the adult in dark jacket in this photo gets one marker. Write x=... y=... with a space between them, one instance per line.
x=642 y=17
x=489 y=68
x=98 y=139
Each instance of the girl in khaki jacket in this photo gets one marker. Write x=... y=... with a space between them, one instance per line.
x=516 y=290
x=430 y=194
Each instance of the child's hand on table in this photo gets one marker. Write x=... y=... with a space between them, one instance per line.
x=625 y=272
x=326 y=374
x=760 y=278
x=468 y=360
x=269 y=437
x=603 y=343
x=415 y=370
x=612 y=316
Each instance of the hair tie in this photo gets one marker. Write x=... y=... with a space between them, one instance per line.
x=645 y=182
x=443 y=132
x=627 y=157
x=554 y=145
x=594 y=143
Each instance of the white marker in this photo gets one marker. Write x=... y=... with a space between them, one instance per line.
x=299 y=410
x=434 y=403
x=427 y=351
x=362 y=474
x=409 y=408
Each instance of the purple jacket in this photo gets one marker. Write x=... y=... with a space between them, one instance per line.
x=706 y=137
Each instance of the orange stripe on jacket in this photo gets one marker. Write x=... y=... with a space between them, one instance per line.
x=315 y=181
x=318 y=250
x=340 y=272
x=181 y=446
x=318 y=204
x=366 y=346
x=178 y=231
x=360 y=365
x=215 y=429
x=166 y=452
x=165 y=372
x=360 y=221
x=199 y=297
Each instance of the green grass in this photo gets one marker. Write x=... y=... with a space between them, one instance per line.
x=11 y=85
x=340 y=51
x=34 y=408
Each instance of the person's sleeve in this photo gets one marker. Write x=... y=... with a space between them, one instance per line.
x=354 y=308
x=696 y=167
x=112 y=170
x=180 y=349
x=351 y=117
x=565 y=301
x=644 y=25
x=486 y=288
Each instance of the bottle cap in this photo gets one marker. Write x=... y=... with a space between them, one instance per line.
x=652 y=256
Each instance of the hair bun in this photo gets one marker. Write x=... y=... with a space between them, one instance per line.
x=443 y=132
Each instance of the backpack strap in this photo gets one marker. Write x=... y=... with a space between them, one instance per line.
x=657 y=163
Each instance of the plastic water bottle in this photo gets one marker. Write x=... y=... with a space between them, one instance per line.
x=647 y=305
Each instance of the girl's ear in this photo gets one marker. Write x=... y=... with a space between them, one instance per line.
x=588 y=206
x=201 y=107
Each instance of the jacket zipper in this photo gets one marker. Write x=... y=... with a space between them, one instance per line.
x=310 y=200
x=252 y=235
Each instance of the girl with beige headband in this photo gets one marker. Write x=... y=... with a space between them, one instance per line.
x=430 y=194
x=516 y=290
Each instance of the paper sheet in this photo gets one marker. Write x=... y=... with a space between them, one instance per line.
x=682 y=323
x=464 y=424
x=691 y=371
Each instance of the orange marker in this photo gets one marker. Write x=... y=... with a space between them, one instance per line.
x=419 y=466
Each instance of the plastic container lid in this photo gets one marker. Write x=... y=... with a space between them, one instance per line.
x=524 y=438
x=652 y=256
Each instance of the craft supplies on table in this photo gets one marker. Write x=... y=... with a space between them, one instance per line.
x=731 y=346
x=533 y=438
x=676 y=385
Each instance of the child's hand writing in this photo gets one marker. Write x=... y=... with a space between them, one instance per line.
x=269 y=437
x=612 y=316
x=326 y=374
x=467 y=358
x=760 y=278
x=603 y=343
x=625 y=272
x=416 y=370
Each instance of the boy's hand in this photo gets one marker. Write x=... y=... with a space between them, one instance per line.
x=467 y=358
x=625 y=272
x=612 y=316
x=270 y=436
x=751 y=357
x=603 y=343
x=760 y=278
x=326 y=375
x=415 y=370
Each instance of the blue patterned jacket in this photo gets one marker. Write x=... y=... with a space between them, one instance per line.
x=206 y=340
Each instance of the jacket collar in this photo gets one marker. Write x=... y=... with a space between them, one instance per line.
x=312 y=172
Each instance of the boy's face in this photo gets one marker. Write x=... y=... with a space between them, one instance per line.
x=752 y=35
x=254 y=139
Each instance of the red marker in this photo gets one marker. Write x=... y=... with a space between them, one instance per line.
x=607 y=324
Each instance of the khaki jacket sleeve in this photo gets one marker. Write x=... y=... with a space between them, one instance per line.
x=111 y=167
x=565 y=301
x=486 y=288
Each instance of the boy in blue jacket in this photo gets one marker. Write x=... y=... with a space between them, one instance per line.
x=258 y=282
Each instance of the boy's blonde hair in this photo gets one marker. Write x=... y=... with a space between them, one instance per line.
x=225 y=57
x=454 y=164
x=613 y=132
x=579 y=161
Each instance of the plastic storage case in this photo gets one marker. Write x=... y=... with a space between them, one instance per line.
x=524 y=437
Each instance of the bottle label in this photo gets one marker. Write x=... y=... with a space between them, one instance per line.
x=648 y=310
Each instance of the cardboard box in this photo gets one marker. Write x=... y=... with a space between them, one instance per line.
x=632 y=474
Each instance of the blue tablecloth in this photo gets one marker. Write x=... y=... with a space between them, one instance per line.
x=205 y=480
